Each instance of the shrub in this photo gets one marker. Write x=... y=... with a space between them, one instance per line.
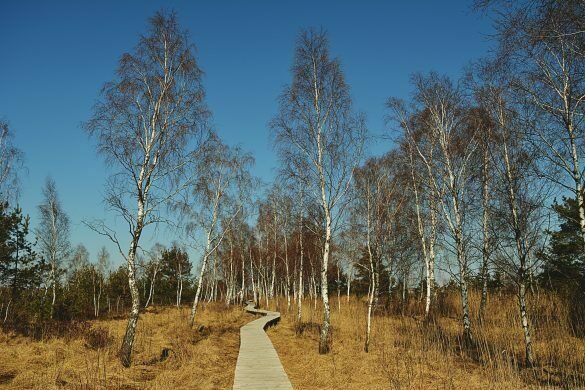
x=98 y=338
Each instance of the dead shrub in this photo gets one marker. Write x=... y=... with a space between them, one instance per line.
x=98 y=338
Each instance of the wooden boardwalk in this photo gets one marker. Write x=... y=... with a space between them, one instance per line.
x=258 y=365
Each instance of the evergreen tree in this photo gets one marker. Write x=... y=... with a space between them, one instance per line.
x=175 y=273
x=21 y=272
x=20 y=268
x=564 y=259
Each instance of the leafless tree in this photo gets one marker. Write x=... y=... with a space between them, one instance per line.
x=425 y=194
x=52 y=235
x=148 y=124
x=217 y=200
x=79 y=258
x=152 y=270
x=283 y=221
x=316 y=123
x=421 y=174
x=11 y=162
x=518 y=212
x=542 y=51
x=441 y=116
x=480 y=122
x=375 y=206
x=99 y=272
x=293 y=172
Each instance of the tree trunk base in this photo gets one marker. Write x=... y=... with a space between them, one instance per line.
x=125 y=354
x=325 y=342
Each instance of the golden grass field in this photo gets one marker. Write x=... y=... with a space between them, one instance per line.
x=203 y=359
x=404 y=353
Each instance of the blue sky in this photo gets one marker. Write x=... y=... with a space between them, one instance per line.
x=56 y=55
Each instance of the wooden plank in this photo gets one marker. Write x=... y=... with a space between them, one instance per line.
x=258 y=365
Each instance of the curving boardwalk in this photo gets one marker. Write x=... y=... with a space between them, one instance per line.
x=258 y=365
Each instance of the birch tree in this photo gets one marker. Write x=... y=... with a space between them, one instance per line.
x=418 y=149
x=441 y=113
x=153 y=268
x=424 y=193
x=216 y=201
x=456 y=147
x=11 y=162
x=79 y=258
x=520 y=197
x=52 y=235
x=99 y=276
x=351 y=239
x=374 y=191
x=147 y=124
x=243 y=236
x=542 y=51
x=283 y=219
x=480 y=120
x=293 y=172
x=316 y=123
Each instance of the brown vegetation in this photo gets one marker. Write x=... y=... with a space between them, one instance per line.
x=167 y=355
x=407 y=353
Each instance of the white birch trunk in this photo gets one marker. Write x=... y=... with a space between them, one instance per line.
x=325 y=337
x=521 y=250
x=372 y=288
x=254 y=289
x=200 y=283
x=486 y=237
x=128 y=341
x=349 y=277
x=287 y=274
x=301 y=287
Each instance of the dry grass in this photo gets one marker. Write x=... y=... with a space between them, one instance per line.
x=86 y=358
x=405 y=353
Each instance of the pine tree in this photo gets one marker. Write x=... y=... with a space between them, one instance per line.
x=21 y=270
x=175 y=271
x=564 y=259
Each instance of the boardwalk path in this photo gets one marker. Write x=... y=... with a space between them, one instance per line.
x=258 y=365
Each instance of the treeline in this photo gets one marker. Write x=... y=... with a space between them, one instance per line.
x=40 y=294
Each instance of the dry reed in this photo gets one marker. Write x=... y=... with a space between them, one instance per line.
x=407 y=353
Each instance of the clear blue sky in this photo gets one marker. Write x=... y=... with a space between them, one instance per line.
x=56 y=55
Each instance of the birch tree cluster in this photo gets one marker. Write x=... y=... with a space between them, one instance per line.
x=466 y=198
